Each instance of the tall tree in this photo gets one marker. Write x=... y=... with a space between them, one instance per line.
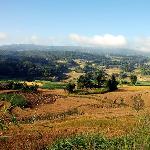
x=133 y=79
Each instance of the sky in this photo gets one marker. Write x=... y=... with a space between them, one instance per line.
x=102 y=23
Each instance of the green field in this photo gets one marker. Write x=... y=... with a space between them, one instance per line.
x=52 y=85
x=143 y=83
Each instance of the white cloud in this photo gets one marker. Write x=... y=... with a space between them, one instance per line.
x=142 y=44
x=45 y=40
x=3 y=36
x=34 y=39
x=106 y=40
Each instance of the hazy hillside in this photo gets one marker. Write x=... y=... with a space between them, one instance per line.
x=93 y=50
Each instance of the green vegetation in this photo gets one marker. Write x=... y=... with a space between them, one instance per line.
x=70 y=87
x=14 y=99
x=97 y=82
x=143 y=83
x=53 y=85
x=133 y=79
x=11 y=85
x=111 y=84
x=145 y=69
x=138 y=138
x=53 y=63
x=93 y=142
x=98 y=142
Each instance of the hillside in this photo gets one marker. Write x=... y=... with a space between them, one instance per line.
x=86 y=49
x=52 y=95
x=113 y=114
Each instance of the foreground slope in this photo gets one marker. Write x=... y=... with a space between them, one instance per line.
x=112 y=114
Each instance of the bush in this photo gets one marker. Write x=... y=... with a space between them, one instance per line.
x=14 y=99
x=98 y=142
x=93 y=142
x=32 y=88
x=18 y=86
x=133 y=79
x=111 y=84
x=70 y=87
x=124 y=82
x=6 y=85
x=138 y=103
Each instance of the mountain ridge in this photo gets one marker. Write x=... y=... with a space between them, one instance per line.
x=93 y=50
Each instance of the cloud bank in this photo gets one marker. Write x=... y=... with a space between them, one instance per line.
x=142 y=44
x=106 y=40
x=3 y=36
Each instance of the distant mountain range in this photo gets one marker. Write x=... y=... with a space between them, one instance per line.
x=93 y=50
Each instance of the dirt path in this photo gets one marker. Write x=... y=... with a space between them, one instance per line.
x=7 y=91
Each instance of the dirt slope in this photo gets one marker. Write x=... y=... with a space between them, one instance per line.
x=111 y=114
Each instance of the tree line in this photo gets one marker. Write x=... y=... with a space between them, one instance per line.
x=94 y=80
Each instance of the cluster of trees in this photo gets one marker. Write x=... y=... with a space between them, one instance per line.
x=28 y=68
x=10 y=85
x=133 y=79
x=34 y=64
x=30 y=64
x=145 y=70
x=92 y=80
x=126 y=63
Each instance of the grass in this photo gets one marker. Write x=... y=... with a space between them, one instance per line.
x=14 y=99
x=92 y=91
x=138 y=138
x=51 y=116
x=99 y=91
x=143 y=83
x=99 y=124
x=42 y=83
x=93 y=142
x=53 y=85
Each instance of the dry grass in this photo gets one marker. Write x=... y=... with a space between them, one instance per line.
x=73 y=75
x=111 y=114
x=34 y=83
x=113 y=70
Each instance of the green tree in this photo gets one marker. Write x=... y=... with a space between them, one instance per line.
x=80 y=82
x=100 y=77
x=85 y=81
x=133 y=79
x=112 y=83
x=70 y=87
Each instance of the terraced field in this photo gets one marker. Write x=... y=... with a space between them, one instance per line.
x=56 y=114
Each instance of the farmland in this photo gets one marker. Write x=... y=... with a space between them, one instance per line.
x=78 y=97
x=110 y=114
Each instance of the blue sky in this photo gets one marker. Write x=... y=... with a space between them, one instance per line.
x=71 y=22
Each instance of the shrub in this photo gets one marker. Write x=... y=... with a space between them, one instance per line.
x=32 y=88
x=111 y=84
x=18 y=86
x=138 y=103
x=139 y=138
x=70 y=87
x=133 y=79
x=93 y=142
x=14 y=99
x=6 y=85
